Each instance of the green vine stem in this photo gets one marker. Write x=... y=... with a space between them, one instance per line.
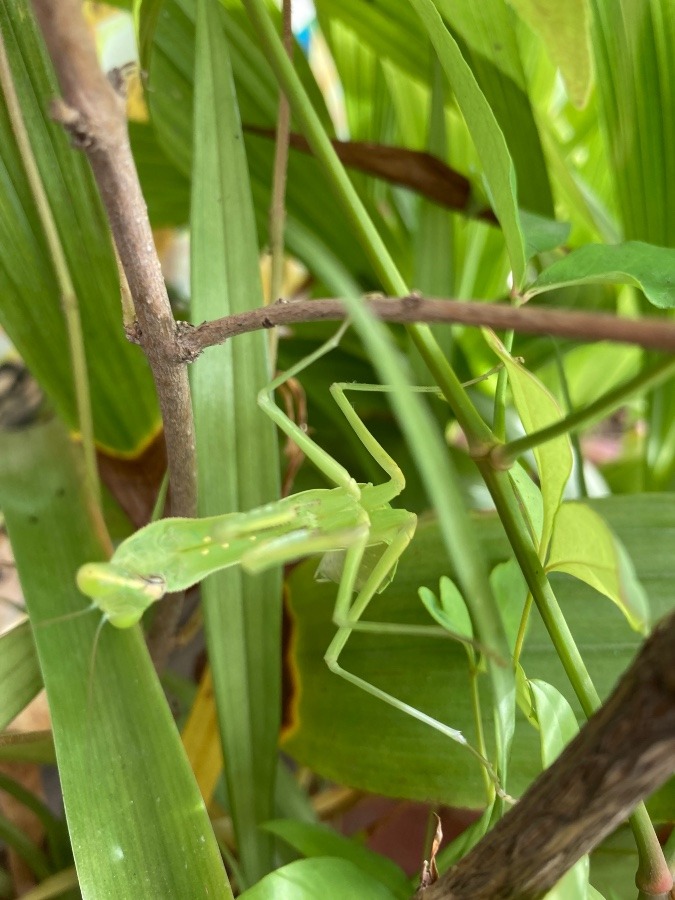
x=479 y=435
x=652 y=866
x=504 y=455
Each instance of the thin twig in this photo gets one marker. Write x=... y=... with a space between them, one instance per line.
x=94 y=115
x=653 y=334
x=622 y=754
x=277 y=208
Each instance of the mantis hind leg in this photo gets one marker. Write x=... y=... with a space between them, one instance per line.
x=396 y=483
x=346 y=617
x=321 y=459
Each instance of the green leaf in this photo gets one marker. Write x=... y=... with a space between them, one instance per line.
x=19 y=672
x=396 y=36
x=166 y=190
x=632 y=44
x=35 y=747
x=542 y=234
x=308 y=879
x=485 y=133
x=510 y=590
x=537 y=409
x=565 y=30
x=450 y=610
x=243 y=613
x=319 y=840
x=574 y=883
x=557 y=722
x=645 y=266
x=583 y=546
x=614 y=863
x=530 y=501
x=109 y=714
x=326 y=719
x=170 y=101
x=500 y=73
x=122 y=393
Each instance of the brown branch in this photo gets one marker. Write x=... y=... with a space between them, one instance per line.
x=621 y=755
x=94 y=115
x=653 y=334
x=415 y=169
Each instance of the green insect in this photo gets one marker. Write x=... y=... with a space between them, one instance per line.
x=354 y=527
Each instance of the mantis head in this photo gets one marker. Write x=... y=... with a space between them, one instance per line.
x=121 y=596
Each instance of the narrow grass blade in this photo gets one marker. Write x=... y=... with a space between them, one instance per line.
x=121 y=763
x=20 y=678
x=242 y=612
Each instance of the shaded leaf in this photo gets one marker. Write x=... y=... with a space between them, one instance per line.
x=122 y=392
x=20 y=677
x=542 y=234
x=645 y=266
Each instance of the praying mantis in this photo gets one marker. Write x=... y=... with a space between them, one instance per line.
x=358 y=533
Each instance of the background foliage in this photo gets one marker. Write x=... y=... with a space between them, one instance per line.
x=549 y=114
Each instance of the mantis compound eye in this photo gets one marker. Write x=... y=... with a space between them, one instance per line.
x=102 y=580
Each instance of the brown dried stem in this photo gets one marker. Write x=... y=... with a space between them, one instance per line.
x=621 y=755
x=94 y=115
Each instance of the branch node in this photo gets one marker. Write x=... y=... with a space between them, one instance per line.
x=73 y=122
x=119 y=78
x=185 y=352
x=133 y=333
x=412 y=301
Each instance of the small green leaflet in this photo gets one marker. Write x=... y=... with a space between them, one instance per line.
x=584 y=546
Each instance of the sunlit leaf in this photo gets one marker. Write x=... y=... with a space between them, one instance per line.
x=565 y=30
x=574 y=883
x=485 y=132
x=537 y=409
x=510 y=590
x=448 y=608
x=242 y=612
x=529 y=500
x=308 y=879
x=319 y=840
x=557 y=722
x=584 y=546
